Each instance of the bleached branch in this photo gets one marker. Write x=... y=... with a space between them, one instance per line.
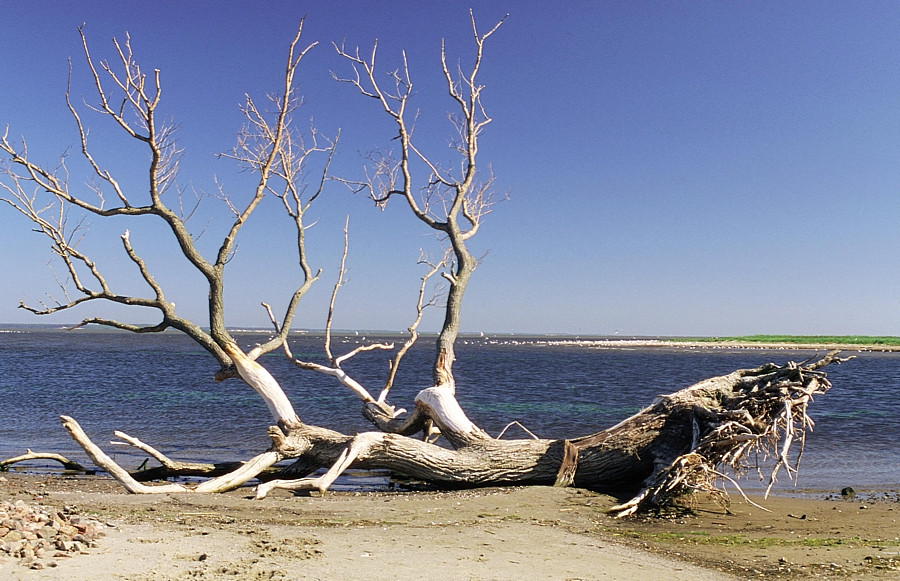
x=444 y=203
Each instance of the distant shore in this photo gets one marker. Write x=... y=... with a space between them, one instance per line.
x=778 y=342
x=723 y=344
x=762 y=345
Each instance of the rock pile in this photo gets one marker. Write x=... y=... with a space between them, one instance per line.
x=38 y=534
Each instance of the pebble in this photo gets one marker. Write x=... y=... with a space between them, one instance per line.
x=34 y=534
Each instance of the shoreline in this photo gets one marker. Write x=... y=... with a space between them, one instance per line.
x=490 y=533
x=749 y=345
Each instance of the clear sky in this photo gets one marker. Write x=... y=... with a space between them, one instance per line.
x=673 y=168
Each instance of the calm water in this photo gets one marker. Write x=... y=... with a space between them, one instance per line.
x=159 y=388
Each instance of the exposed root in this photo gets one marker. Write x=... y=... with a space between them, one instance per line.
x=763 y=417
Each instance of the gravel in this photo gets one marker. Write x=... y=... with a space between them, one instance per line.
x=38 y=535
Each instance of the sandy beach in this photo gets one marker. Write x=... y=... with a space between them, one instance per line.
x=492 y=533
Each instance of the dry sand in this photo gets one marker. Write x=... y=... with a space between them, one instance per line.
x=493 y=533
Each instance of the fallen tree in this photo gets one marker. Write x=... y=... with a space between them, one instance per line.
x=682 y=442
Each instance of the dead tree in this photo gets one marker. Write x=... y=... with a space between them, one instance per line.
x=681 y=442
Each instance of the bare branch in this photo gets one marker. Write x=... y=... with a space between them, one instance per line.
x=342 y=376
x=102 y=460
x=173 y=465
x=265 y=157
x=131 y=97
x=394 y=104
x=29 y=455
x=413 y=329
x=456 y=197
x=342 y=270
x=280 y=154
x=334 y=367
x=101 y=173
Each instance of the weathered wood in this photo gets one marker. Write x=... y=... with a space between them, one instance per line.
x=242 y=475
x=29 y=455
x=698 y=430
x=566 y=475
x=172 y=465
x=108 y=464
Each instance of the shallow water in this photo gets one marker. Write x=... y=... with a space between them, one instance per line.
x=159 y=388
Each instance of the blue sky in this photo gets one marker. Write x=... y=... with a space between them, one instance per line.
x=673 y=168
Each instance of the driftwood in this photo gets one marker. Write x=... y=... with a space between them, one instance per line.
x=694 y=440
x=29 y=455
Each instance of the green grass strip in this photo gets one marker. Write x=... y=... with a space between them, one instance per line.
x=799 y=339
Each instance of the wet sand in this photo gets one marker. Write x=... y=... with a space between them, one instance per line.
x=492 y=533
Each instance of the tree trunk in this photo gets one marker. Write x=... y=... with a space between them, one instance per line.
x=679 y=443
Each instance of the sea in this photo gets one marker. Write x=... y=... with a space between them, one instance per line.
x=160 y=388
